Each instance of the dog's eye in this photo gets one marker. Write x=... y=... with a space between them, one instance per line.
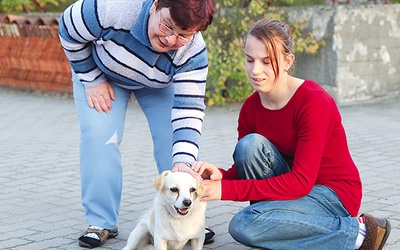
x=192 y=190
x=174 y=190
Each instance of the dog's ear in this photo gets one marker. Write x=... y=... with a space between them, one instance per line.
x=201 y=189
x=158 y=182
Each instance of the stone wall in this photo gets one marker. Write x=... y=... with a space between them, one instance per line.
x=361 y=59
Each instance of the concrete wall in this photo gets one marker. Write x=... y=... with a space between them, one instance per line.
x=361 y=59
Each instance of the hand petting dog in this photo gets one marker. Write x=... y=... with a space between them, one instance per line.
x=209 y=176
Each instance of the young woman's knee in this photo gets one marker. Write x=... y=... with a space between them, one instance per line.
x=249 y=148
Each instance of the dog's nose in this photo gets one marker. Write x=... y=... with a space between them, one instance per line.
x=187 y=202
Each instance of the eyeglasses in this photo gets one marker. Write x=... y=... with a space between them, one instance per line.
x=167 y=31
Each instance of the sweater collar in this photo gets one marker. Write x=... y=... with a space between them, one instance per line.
x=139 y=29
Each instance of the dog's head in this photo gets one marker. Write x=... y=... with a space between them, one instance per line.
x=179 y=190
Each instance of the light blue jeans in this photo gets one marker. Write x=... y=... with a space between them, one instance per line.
x=316 y=221
x=100 y=138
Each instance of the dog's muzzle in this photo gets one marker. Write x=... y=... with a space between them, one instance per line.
x=185 y=210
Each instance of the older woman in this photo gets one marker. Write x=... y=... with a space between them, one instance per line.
x=153 y=50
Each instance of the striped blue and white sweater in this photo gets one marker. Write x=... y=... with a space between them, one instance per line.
x=106 y=40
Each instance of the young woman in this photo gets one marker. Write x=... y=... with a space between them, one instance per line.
x=292 y=160
x=154 y=50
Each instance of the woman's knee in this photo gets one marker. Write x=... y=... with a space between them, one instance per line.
x=249 y=147
x=250 y=141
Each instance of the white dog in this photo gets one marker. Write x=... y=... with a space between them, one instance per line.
x=176 y=217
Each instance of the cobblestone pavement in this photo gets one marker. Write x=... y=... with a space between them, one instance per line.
x=39 y=174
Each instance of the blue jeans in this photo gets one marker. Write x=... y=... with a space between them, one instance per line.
x=316 y=221
x=100 y=138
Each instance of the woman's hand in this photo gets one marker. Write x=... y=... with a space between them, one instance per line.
x=212 y=180
x=100 y=96
x=209 y=176
x=207 y=170
x=213 y=190
x=182 y=167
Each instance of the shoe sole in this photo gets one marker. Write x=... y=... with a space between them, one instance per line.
x=211 y=240
x=386 y=235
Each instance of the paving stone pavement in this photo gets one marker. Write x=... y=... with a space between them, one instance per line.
x=40 y=205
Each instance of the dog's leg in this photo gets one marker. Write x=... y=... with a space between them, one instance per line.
x=138 y=238
x=197 y=243
x=160 y=244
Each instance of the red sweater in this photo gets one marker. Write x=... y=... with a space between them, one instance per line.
x=309 y=133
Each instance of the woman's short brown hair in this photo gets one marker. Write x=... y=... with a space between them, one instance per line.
x=189 y=14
